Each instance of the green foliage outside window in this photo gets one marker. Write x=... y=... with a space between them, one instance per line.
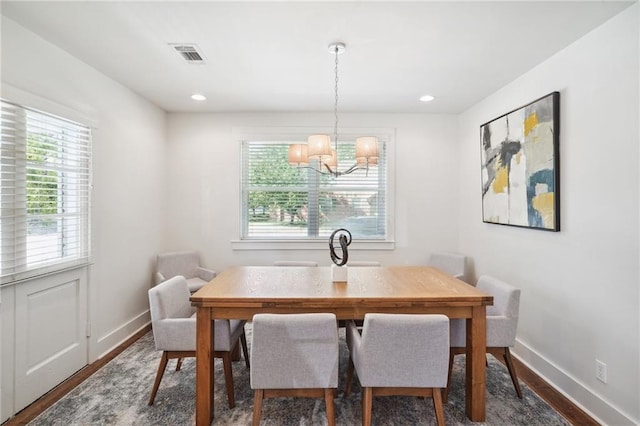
x=271 y=170
x=42 y=182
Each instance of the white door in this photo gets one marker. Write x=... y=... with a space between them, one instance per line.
x=50 y=333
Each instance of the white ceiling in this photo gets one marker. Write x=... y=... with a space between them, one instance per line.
x=272 y=56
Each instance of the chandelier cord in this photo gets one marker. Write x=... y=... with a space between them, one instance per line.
x=335 y=106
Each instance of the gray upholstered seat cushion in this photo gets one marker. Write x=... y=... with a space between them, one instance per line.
x=397 y=350
x=294 y=351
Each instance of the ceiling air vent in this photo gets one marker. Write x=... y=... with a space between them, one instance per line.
x=189 y=53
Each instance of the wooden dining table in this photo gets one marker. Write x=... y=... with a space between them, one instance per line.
x=243 y=291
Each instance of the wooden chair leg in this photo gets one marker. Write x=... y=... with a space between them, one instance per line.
x=257 y=406
x=179 y=364
x=245 y=350
x=350 y=368
x=235 y=352
x=512 y=371
x=159 y=374
x=228 y=378
x=445 y=394
x=328 y=401
x=367 y=400
x=437 y=405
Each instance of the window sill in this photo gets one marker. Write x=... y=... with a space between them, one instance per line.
x=308 y=245
x=56 y=268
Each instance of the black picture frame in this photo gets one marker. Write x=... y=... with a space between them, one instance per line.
x=520 y=166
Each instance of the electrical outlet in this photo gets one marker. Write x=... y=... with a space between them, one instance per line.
x=601 y=371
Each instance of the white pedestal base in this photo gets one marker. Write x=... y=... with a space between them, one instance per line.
x=339 y=274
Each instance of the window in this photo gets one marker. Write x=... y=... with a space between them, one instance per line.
x=280 y=201
x=45 y=174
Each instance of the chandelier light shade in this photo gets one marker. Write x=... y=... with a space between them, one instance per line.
x=367 y=147
x=319 y=148
x=298 y=155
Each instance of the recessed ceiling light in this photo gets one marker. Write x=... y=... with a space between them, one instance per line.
x=198 y=97
x=427 y=98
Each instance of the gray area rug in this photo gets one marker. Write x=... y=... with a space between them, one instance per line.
x=117 y=394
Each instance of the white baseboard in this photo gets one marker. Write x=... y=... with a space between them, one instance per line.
x=602 y=411
x=110 y=341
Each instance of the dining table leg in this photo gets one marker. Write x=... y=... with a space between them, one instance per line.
x=204 y=366
x=475 y=389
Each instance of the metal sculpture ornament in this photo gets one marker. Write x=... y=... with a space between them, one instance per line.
x=344 y=238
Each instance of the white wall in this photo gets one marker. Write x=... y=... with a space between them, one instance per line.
x=204 y=175
x=129 y=157
x=580 y=298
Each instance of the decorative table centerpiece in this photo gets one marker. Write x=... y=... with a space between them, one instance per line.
x=339 y=271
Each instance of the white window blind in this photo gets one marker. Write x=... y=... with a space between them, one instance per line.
x=45 y=191
x=283 y=202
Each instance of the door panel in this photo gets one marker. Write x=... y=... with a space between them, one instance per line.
x=50 y=325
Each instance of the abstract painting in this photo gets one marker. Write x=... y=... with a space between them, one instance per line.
x=520 y=166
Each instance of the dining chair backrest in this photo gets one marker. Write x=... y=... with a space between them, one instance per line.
x=403 y=350
x=168 y=301
x=502 y=316
x=185 y=263
x=295 y=263
x=175 y=263
x=451 y=263
x=290 y=351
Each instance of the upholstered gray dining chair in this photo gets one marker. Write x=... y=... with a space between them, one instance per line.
x=174 y=331
x=294 y=355
x=185 y=263
x=451 y=263
x=502 y=323
x=399 y=354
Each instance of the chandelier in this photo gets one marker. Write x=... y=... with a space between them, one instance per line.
x=318 y=150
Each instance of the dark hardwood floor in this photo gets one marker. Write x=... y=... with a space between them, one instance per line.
x=566 y=408
x=574 y=414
